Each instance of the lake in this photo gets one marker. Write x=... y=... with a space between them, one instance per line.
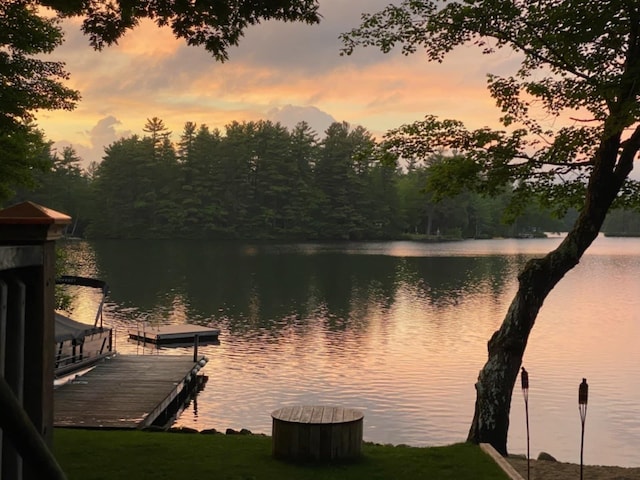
x=396 y=329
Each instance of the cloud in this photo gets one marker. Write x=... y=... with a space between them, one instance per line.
x=149 y=59
x=104 y=132
x=290 y=115
x=91 y=148
x=297 y=47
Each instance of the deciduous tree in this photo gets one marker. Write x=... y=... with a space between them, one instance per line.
x=27 y=83
x=579 y=69
x=214 y=24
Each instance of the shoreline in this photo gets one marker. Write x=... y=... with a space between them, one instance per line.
x=550 y=470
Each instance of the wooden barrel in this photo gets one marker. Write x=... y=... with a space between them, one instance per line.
x=316 y=433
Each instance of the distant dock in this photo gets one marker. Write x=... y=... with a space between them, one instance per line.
x=166 y=334
x=126 y=391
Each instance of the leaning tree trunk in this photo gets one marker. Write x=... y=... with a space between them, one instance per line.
x=506 y=347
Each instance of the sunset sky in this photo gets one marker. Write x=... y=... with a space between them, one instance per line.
x=281 y=71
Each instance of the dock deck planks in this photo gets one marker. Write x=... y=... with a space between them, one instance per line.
x=123 y=391
x=164 y=334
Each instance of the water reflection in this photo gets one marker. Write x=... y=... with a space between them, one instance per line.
x=398 y=329
x=260 y=288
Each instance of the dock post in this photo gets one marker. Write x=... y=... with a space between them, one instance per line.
x=32 y=229
x=14 y=356
x=3 y=329
x=196 y=340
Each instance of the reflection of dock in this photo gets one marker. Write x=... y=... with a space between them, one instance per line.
x=126 y=391
x=165 y=334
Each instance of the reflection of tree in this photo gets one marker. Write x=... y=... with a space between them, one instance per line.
x=140 y=274
x=444 y=280
x=261 y=288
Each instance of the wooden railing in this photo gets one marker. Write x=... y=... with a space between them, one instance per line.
x=27 y=272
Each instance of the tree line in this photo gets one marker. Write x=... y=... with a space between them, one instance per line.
x=262 y=181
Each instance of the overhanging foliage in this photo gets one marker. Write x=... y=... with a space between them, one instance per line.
x=579 y=69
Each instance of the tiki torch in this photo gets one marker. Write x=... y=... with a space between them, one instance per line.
x=583 y=397
x=524 y=376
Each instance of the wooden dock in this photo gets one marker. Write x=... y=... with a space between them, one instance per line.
x=125 y=391
x=165 y=334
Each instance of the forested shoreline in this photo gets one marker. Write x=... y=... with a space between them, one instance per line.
x=261 y=181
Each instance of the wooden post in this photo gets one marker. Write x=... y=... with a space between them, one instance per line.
x=3 y=334
x=31 y=224
x=196 y=340
x=26 y=440
x=14 y=356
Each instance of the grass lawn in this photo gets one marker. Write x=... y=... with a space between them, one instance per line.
x=113 y=454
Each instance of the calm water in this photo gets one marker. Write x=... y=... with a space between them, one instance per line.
x=397 y=329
